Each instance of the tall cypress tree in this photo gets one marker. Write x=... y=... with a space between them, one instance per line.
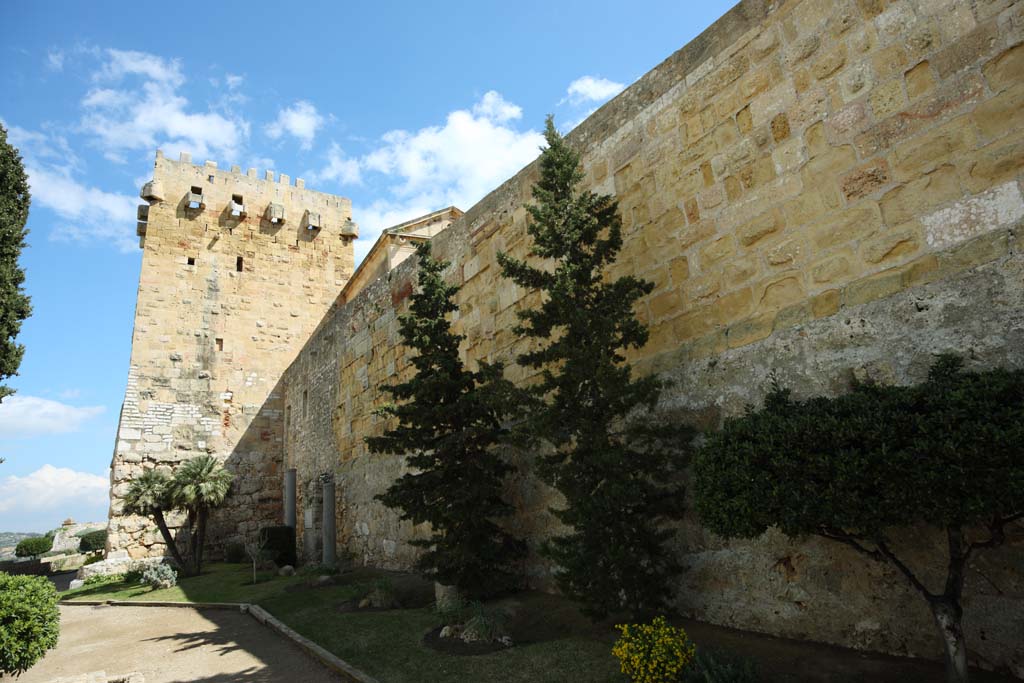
x=14 y=303
x=449 y=426
x=617 y=471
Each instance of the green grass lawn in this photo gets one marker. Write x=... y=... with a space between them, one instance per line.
x=553 y=641
x=217 y=583
x=388 y=644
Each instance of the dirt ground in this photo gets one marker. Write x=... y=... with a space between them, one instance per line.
x=172 y=644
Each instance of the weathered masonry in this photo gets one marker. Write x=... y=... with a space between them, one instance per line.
x=816 y=187
x=820 y=188
x=237 y=271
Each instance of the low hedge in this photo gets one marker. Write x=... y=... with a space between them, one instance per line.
x=29 y=621
x=31 y=547
x=93 y=541
x=279 y=542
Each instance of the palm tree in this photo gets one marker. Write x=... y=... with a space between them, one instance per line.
x=198 y=485
x=149 y=495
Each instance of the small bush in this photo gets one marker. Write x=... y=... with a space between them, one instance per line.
x=134 y=575
x=454 y=611
x=279 y=542
x=31 y=547
x=716 y=667
x=484 y=626
x=234 y=553
x=97 y=579
x=93 y=541
x=655 y=652
x=159 y=576
x=98 y=557
x=29 y=621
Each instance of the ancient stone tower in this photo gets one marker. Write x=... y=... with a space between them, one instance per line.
x=237 y=271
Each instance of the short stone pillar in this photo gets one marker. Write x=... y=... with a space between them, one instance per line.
x=330 y=540
x=289 y=498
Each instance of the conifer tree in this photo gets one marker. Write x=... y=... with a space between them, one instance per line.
x=449 y=423
x=14 y=303
x=619 y=480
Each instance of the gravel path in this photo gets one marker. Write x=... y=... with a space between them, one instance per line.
x=172 y=644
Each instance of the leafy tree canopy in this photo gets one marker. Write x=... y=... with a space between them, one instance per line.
x=946 y=453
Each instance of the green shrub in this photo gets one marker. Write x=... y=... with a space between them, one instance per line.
x=484 y=626
x=31 y=547
x=98 y=557
x=159 y=576
x=234 y=553
x=29 y=621
x=317 y=570
x=93 y=541
x=98 y=579
x=279 y=542
x=133 y=575
x=716 y=667
x=455 y=610
x=654 y=652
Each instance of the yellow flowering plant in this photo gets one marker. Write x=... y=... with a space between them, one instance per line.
x=654 y=652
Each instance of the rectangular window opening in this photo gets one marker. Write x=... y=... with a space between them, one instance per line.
x=191 y=260
x=305 y=396
x=210 y=178
x=239 y=264
x=196 y=189
x=220 y=344
x=237 y=199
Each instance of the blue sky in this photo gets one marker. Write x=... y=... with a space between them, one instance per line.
x=403 y=107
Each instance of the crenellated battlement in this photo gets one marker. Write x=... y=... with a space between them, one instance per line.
x=232 y=199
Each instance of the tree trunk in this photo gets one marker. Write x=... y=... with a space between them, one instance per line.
x=948 y=617
x=200 y=539
x=447 y=597
x=190 y=539
x=172 y=547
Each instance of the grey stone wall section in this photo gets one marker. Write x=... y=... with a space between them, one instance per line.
x=819 y=588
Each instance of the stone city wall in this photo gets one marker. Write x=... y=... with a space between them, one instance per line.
x=820 y=188
x=224 y=304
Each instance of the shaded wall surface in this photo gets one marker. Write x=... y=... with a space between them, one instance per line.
x=820 y=188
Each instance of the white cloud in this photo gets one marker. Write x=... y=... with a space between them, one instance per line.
x=452 y=164
x=55 y=60
x=456 y=163
x=70 y=393
x=340 y=169
x=233 y=81
x=32 y=416
x=87 y=212
x=121 y=63
x=108 y=98
x=123 y=115
x=494 y=107
x=301 y=120
x=591 y=89
x=51 y=487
